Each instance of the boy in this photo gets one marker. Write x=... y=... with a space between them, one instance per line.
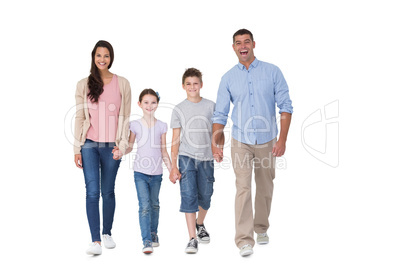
x=192 y=131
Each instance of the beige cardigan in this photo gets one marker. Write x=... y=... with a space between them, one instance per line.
x=82 y=121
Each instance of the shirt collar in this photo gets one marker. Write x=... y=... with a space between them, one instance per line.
x=253 y=64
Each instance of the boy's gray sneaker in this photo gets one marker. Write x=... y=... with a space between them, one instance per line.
x=246 y=250
x=202 y=233
x=262 y=239
x=192 y=246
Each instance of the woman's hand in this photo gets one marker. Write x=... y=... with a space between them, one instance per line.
x=78 y=160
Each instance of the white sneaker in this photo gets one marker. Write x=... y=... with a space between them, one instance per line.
x=262 y=239
x=94 y=249
x=108 y=241
x=246 y=250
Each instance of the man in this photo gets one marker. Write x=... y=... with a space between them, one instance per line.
x=254 y=87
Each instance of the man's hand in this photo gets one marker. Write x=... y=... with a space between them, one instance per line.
x=280 y=145
x=279 y=148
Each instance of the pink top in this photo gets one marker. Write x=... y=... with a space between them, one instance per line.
x=105 y=113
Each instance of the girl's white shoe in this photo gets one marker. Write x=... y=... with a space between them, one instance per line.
x=94 y=249
x=108 y=241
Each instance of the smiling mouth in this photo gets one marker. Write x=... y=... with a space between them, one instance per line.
x=243 y=52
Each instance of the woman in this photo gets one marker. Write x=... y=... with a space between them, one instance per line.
x=102 y=119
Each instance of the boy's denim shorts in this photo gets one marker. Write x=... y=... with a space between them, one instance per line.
x=196 y=183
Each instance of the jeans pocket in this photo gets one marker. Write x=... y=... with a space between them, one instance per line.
x=184 y=183
x=210 y=186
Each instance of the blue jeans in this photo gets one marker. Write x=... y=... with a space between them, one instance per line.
x=196 y=183
x=148 y=187
x=100 y=171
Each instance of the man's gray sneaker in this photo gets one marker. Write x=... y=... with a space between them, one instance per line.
x=262 y=239
x=246 y=250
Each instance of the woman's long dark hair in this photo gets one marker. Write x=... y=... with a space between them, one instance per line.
x=95 y=83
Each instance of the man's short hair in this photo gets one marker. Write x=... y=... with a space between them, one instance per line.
x=191 y=72
x=242 y=32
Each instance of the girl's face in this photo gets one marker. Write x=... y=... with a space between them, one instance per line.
x=102 y=58
x=148 y=104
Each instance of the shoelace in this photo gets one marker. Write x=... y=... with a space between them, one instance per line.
x=202 y=231
x=192 y=243
x=107 y=237
x=245 y=246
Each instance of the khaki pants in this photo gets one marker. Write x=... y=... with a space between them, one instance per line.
x=244 y=158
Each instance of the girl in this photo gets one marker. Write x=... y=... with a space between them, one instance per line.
x=103 y=103
x=151 y=144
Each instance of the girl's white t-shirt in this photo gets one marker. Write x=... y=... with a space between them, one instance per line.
x=148 y=159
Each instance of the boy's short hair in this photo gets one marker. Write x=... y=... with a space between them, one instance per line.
x=191 y=72
x=242 y=32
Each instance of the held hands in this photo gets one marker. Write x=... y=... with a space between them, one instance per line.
x=174 y=175
x=117 y=154
x=217 y=153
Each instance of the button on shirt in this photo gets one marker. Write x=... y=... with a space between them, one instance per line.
x=253 y=93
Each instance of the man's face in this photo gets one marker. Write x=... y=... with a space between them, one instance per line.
x=243 y=47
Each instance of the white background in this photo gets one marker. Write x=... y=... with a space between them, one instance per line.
x=347 y=52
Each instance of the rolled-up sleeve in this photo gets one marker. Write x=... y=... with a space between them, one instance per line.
x=281 y=89
x=222 y=106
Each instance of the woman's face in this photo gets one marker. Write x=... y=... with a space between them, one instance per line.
x=102 y=58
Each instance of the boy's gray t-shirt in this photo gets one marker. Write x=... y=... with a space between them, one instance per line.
x=194 y=120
